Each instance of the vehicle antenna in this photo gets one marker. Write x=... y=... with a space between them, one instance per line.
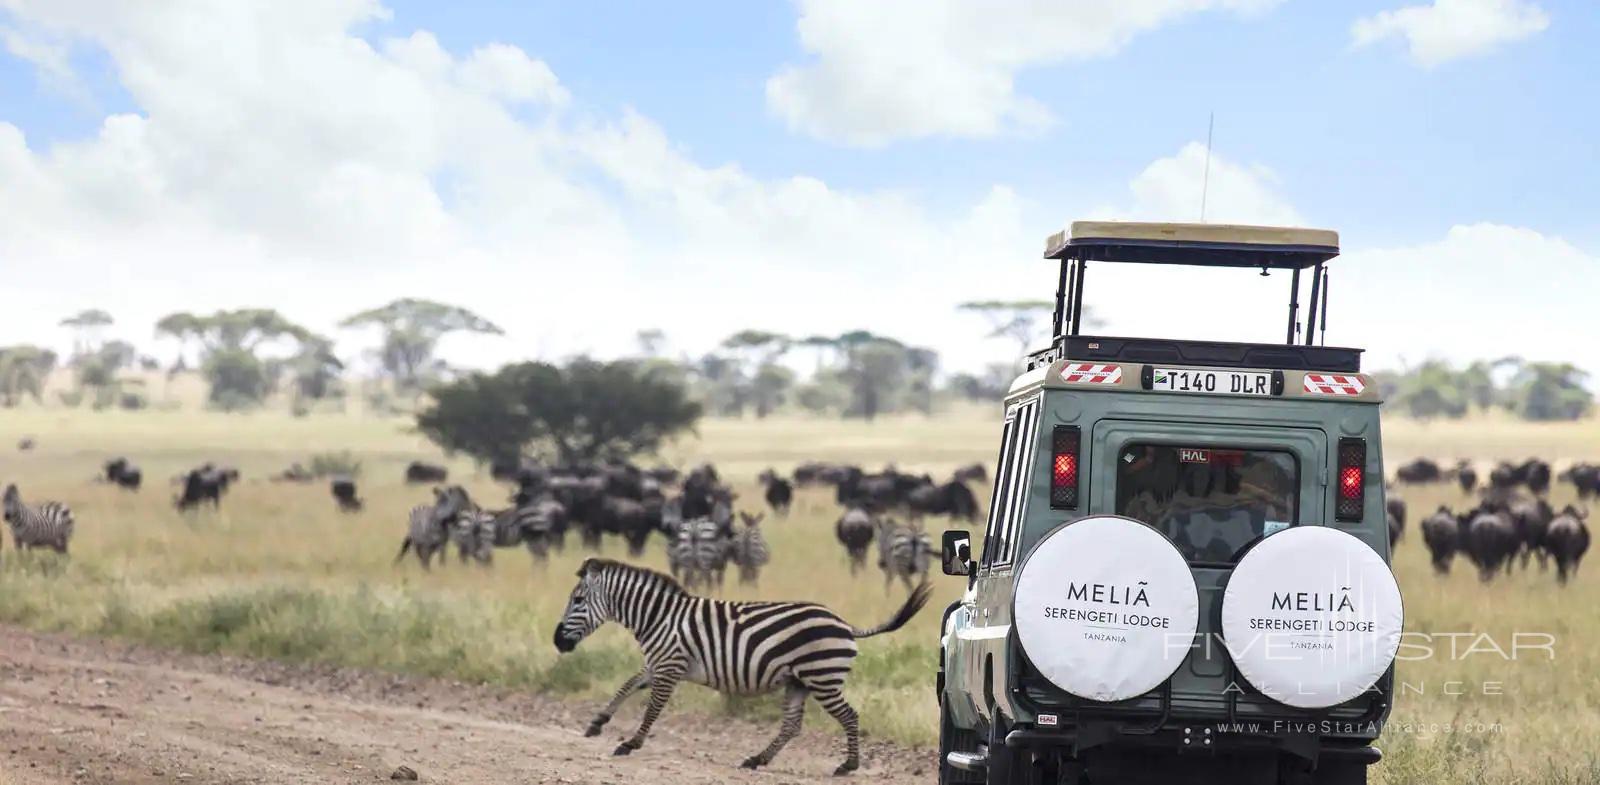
x=1205 y=178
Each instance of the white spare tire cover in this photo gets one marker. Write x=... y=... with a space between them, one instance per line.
x=1105 y=608
x=1312 y=616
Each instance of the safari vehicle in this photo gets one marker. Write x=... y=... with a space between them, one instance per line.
x=1184 y=576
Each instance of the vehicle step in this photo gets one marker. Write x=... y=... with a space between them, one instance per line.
x=968 y=761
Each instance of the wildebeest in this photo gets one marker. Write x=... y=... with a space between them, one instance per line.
x=1491 y=539
x=1536 y=475
x=123 y=473
x=206 y=483
x=1396 y=508
x=973 y=472
x=855 y=530
x=1466 y=477
x=1585 y=478
x=26 y=443
x=1567 y=540
x=1441 y=532
x=1505 y=476
x=779 y=493
x=344 y=492
x=1531 y=518
x=418 y=472
x=295 y=473
x=1418 y=472
x=953 y=498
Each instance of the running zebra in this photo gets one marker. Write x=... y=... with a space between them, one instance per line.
x=740 y=648
x=428 y=526
x=48 y=525
x=903 y=551
x=749 y=550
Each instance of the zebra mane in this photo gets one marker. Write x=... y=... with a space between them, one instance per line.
x=597 y=566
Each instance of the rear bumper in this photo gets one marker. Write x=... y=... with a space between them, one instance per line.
x=1199 y=740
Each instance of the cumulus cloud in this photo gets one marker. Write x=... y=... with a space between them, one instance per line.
x=1451 y=29
x=897 y=69
x=278 y=158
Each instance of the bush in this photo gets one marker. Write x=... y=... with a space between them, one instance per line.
x=328 y=464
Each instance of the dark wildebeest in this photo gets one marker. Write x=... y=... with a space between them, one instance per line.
x=344 y=492
x=628 y=518
x=855 y=530
x=1418 y=472
x=1531 y=517
x=1491 y=539
x=1466 y=477
x=204 y=484
x=974 y=472
x=1536 y=475
x=120 y=471
x=1585 y=477
x=1441 y=532
x=1396 y=509
x=1504 y=476
x=418 y=472
x=779 y=493
x=26 y=443
x=953 y=498
x=1566 y=541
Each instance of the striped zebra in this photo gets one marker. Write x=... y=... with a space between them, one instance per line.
x=699 y=552
x=903 y=551
x=48 y=525
x=749 y=550
x=478 y=532
x=428 y=526
x=734 y=647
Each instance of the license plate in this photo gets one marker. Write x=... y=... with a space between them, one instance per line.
x=1193 y=380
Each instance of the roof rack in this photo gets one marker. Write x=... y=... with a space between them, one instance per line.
x=1199 y=245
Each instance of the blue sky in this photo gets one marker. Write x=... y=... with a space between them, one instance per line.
x=1427 y=164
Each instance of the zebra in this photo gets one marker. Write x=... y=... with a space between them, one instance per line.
x=479 y=532
x=699 y=553
x=428 y=526
x=733 y=647
x=749 y=550
x=902 y=552
x=855 y=530
x=48 y=525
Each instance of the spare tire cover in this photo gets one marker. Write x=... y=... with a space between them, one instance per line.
x=1312 y=616
x=1105 y=608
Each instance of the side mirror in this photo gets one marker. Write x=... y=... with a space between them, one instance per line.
x=956 y=552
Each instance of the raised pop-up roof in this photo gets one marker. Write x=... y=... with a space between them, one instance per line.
x=1203 y=245
x=1265 y=248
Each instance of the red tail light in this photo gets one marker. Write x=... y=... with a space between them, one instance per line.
x=1064 y=469
x=1352 y=499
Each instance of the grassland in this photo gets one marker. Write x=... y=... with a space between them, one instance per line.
x=279 y=573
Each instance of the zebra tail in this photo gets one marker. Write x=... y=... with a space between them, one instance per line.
x=404 y=546
x=914 y=603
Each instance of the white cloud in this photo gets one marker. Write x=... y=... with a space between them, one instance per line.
x=278 y=159
x=1452 y=29
x=1173 y=188
x=896 y=69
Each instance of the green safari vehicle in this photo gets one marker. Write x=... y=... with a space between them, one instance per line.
x=1185 y=571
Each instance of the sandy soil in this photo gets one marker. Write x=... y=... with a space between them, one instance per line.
x=85 y=711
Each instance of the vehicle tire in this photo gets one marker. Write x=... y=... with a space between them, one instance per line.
x=1341 y=773
x=953 y=738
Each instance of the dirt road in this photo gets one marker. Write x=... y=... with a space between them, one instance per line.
x=83 y=711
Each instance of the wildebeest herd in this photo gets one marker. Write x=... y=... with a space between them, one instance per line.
x=1511 y=523
x=693 y=513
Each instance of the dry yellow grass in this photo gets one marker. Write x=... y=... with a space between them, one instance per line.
x=280 y=573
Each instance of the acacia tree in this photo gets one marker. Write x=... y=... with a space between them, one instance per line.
x=1550 y=391
x=586 y=411
x=88 y=329
x=228 y=343
x=757 y=353
x=411 y=331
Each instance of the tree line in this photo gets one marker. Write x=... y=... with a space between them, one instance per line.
x=1538 y=391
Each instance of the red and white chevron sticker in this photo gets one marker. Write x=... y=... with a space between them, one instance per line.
x=1334 y=384
x=1091 y=373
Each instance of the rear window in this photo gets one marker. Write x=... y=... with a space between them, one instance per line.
x=1211 y=502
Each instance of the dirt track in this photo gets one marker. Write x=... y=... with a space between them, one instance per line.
x=80 y=711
